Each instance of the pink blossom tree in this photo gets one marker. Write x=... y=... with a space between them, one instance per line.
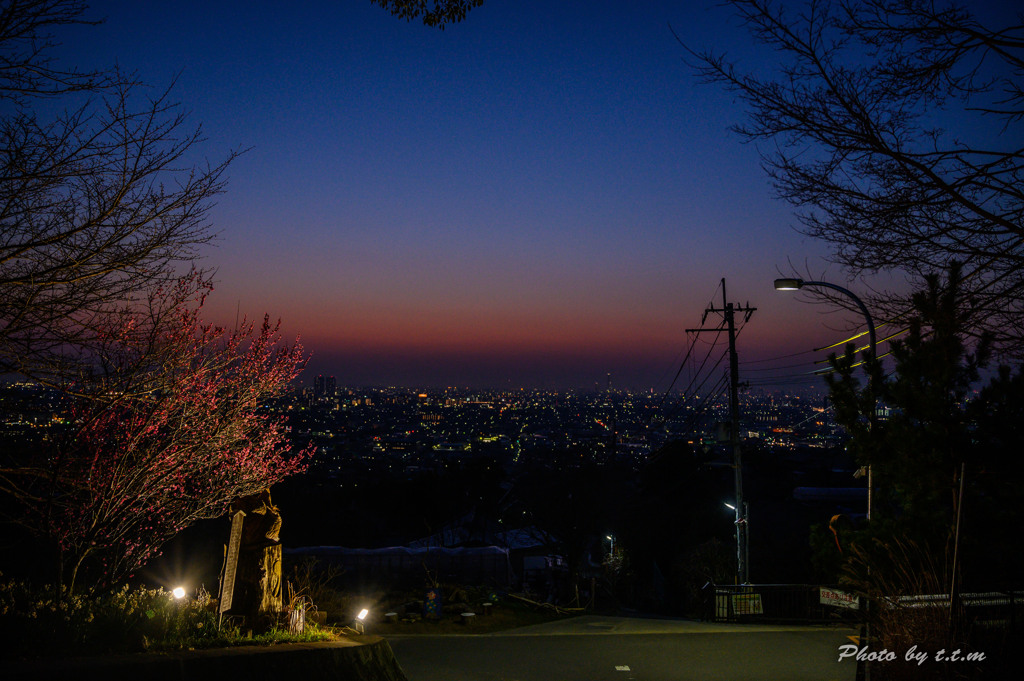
x=170 y=428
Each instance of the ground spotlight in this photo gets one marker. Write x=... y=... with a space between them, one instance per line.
x=360 y=618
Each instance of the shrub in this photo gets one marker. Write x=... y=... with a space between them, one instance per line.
x=36 y=621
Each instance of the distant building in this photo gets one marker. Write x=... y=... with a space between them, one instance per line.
x=324 y=387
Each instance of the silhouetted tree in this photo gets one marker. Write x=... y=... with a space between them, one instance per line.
x=436 y=13
x=916 y=453
x=98 y=202
x=100 y=206
x=992 y=512
x=940 y=429
x=894 y=126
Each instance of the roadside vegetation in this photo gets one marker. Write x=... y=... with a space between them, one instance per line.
x=40 y=622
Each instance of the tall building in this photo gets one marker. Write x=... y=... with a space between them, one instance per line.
x=318 y=386
x=332 y=386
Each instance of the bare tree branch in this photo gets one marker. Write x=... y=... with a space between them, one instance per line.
x=26 y=70
x=894 y=128
x=96 y=204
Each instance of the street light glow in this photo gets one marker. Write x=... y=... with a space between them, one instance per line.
x=789 y=284
x=178 y=592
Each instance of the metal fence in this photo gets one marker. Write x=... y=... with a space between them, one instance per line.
x=778 y=603
x=824 y=603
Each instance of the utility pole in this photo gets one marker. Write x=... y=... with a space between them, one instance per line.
x=728 y=311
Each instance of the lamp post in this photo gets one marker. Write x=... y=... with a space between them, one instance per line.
x=796 y=285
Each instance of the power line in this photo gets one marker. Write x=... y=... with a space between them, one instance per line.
x=672 y=384
x=710 y=373
x=703 y=363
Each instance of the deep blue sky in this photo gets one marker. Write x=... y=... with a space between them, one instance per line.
x=534 y=197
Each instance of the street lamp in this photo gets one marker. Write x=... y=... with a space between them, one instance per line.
x=796 y=285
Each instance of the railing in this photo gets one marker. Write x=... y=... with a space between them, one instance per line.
x=817 y=603
x=778 y=603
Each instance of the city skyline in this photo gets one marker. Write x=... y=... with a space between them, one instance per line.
x=537 y=196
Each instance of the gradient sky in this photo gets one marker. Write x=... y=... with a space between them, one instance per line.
x=538 y=196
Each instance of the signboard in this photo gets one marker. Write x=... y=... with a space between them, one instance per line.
x=838 y=598
x=747 y=604
x=227 y=583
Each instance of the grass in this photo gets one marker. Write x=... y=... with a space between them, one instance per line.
x=312 y=634
x=36 y=622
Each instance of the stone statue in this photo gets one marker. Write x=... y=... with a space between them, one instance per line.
x=257 y=587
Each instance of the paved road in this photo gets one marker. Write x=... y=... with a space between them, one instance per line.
x=593 y=648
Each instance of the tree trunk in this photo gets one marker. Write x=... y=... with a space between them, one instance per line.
x=74 y=571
